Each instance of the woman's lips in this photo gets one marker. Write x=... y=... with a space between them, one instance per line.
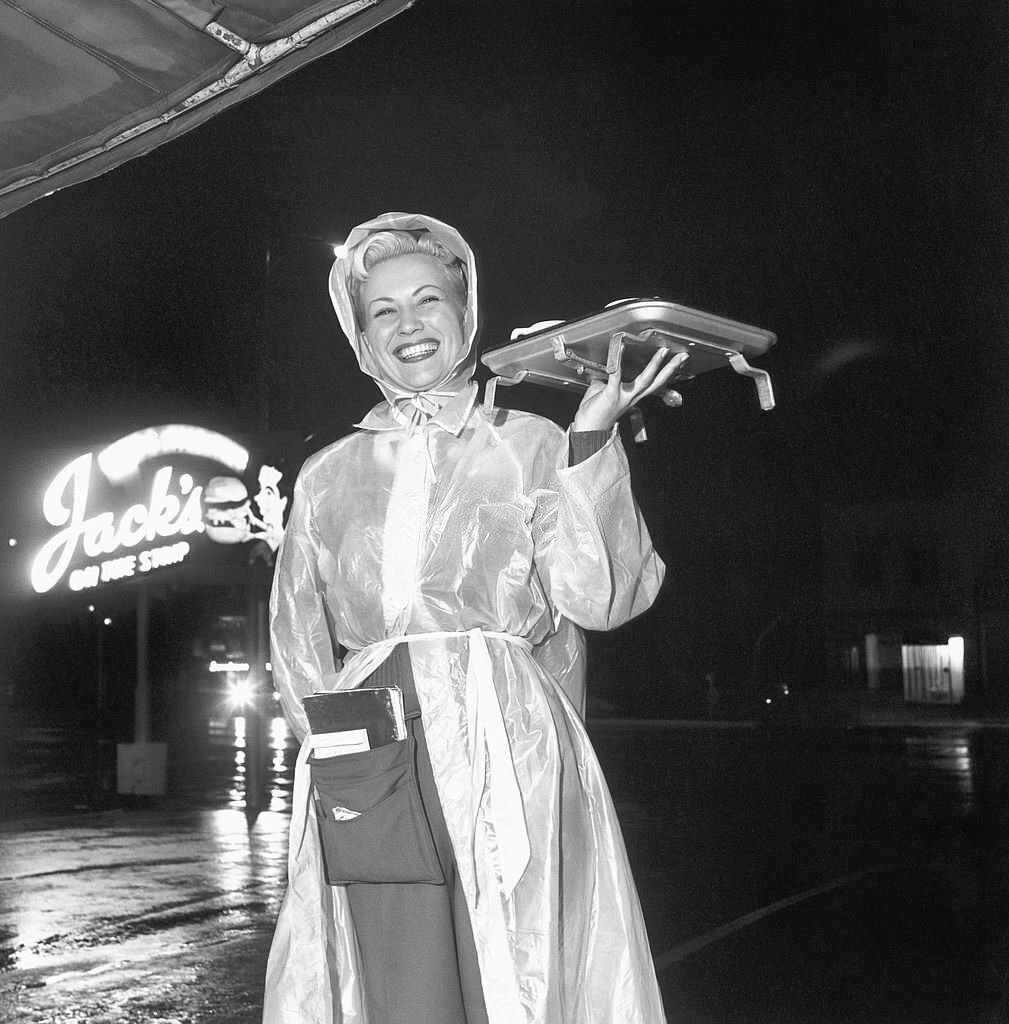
x=415 y=351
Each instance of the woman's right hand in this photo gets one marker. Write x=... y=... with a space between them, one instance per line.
x=606 y=401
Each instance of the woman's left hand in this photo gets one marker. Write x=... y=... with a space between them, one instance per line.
x=606 y=401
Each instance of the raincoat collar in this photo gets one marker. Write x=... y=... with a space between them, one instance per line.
x=452 y=416
x=339 y=293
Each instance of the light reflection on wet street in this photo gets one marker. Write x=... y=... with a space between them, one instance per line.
x=223 y=765
x=787 y=875
x=138 y=910
x=132 y=915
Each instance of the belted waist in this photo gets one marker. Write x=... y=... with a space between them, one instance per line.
x=388 y=643
x=489 y=748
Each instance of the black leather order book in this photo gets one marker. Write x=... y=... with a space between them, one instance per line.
x=347 y=721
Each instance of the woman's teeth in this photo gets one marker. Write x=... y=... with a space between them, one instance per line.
x=415 y=352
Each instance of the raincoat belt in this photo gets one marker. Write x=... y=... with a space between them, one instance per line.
x=500 y=805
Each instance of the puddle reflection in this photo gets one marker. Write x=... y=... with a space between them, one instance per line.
x=281 y=753
x=947 y=760
x=281 y=740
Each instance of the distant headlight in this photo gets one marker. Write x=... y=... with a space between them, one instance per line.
x=239 y=693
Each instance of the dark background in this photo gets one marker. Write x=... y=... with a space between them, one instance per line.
x=833 y=172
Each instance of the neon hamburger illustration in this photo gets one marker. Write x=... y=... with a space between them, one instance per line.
x=227 y=511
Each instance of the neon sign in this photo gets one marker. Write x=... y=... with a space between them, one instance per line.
x=124 y=457
x=171 y=511
x=175 y=508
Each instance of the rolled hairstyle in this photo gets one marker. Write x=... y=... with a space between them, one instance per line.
x=385 y=245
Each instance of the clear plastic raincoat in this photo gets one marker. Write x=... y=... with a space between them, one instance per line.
x=470 y=539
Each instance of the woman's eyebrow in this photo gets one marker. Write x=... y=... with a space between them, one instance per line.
x=416 y=291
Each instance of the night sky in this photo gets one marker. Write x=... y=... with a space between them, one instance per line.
x=835 y=173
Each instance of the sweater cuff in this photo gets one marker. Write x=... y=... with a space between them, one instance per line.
x=584 y=443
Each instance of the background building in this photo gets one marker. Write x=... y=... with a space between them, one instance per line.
x=911 y=574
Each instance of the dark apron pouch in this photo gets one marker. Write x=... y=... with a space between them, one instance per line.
x=389 y=839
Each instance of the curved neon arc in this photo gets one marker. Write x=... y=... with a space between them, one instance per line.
x=123 y=458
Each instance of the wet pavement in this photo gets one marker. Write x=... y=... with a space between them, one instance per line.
x=787 y=875
x=138 y=915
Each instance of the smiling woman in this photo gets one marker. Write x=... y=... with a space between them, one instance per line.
x=455 y=551
x=413 y=321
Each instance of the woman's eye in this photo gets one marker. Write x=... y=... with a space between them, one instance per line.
x=383 y=311
x=428 y=299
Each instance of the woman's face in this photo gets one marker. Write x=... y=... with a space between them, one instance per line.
x=413 y=322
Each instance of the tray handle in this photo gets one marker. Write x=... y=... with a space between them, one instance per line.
x=762 y=379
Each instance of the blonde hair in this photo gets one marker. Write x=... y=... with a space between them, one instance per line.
x=386 y=245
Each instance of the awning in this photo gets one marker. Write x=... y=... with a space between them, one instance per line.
x=87 y=86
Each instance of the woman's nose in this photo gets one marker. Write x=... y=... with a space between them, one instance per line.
x=409 y=323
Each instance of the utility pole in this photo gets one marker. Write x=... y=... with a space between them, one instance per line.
x=256 y=795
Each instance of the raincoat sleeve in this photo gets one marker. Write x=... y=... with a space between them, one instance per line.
x=594 y=546
x=300 y=636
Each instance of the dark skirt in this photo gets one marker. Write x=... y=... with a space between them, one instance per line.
x=418 y=956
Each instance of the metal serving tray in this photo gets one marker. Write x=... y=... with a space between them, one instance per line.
x=570 y=355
